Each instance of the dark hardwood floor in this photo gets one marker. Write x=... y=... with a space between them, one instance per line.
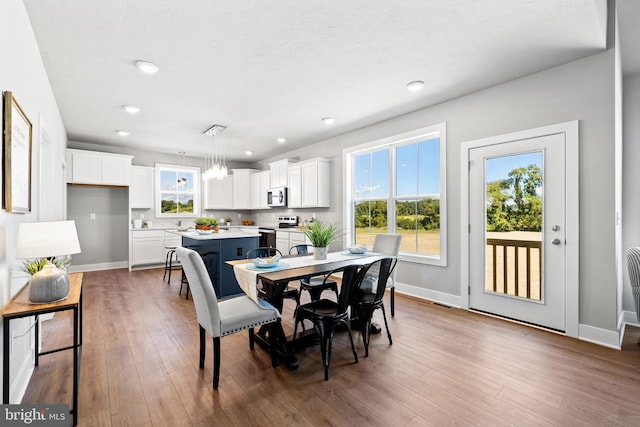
x=446 y=367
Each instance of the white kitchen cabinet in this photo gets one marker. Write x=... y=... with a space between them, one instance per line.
x=278 y=176
x=141 y=189
x=259 y=187
x=286 y=239
x=147 y=247
x=218 y=194
x=95 y=168
x=242 y=188
x=310 y=184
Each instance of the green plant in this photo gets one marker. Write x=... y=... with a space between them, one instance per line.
x=320 y=234
x=206 y=221
x=228 y=219
x=32 y=266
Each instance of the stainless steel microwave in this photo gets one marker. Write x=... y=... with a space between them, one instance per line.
x=277 y=196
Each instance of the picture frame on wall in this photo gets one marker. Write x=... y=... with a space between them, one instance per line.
x=18 y=136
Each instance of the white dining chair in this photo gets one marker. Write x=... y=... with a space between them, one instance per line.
x=633 y=264
x=221 y=318
x=389 y=244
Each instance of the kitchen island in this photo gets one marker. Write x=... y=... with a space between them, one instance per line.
x=216 y=249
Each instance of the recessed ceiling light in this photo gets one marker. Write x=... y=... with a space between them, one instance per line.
x=248 y=152
x=122 y=133
x=328 y=120
x=415 y=86
x=281 y=140
x=147 y=67
x=131 y=109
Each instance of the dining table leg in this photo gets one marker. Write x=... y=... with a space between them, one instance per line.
x=272 y=337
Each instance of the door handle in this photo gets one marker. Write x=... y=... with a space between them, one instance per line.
x=555 y=241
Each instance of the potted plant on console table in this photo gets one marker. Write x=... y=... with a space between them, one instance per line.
x=321 y=236
x=206 y=224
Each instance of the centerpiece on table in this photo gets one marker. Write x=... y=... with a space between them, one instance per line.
x=321 y=235
x=206 y=224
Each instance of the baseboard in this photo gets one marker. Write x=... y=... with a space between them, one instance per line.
x=603 y=337
x=97 y=267
x=428 y=294
x=630 y=318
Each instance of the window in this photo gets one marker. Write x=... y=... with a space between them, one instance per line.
x=397 y=185
x=177 y=191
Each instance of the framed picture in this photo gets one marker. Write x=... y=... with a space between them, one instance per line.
x=16 y=195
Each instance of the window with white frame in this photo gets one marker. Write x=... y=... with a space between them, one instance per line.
x=177 y=191
x=397 y=185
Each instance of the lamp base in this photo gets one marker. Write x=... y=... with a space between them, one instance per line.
x=48 y=285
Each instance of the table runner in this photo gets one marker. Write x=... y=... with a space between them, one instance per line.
x=248 y=278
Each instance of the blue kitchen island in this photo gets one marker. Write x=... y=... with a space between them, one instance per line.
x=217 y=248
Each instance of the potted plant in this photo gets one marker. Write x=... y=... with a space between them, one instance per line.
x=32 y=266
x=228 y=220
x=321 y=236
x=206 y=224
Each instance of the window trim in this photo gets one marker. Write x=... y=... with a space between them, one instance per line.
x=196 y=191
x=348 y=156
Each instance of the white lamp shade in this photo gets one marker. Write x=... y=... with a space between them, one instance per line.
x=47 y=239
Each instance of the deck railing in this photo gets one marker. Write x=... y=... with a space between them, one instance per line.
x=516 y=268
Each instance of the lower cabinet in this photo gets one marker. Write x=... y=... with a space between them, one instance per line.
x=285 y=240
x=215 y=252
x=147 y=247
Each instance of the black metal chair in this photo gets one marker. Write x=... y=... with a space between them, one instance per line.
x=313 y=285
x=326 y=314
x=368 y=297
x=170 y=262
x=263 y=252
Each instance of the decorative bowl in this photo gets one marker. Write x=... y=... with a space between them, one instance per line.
x=357 y=249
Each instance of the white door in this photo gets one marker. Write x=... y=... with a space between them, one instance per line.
x=517 y=223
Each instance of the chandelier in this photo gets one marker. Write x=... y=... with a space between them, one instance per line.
x=215 y=161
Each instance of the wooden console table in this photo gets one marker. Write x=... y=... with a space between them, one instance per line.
x=20 y=307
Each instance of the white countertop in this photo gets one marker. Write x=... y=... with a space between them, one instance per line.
x=221 y=234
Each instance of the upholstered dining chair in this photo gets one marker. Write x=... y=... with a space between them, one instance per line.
x=221 y=318
x=368 y=297
x=313 y=285
x=633 y=264
x=389 y=244
x=326 y=314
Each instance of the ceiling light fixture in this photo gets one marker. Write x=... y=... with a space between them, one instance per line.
x=281 y=140
x=122 y=133
x=328 y=120
x=415 y=86
x=147 y=67
x=215 y=163
x=248 y=152
x=131 y=109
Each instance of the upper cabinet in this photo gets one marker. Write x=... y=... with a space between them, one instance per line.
x=218 y=194
x=91 y=167
x=309 y=184
x=278 y=176
x=141 y=189
x=259 y=187
x=242 y=188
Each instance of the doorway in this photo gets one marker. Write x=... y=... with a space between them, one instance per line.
x=521 y=226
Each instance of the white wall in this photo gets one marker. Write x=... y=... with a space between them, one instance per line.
x=631 y=179
x=582 y=90
x=22 y=72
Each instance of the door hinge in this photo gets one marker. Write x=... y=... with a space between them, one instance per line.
x=469 y=228
x=469 y=290
x=471 y=163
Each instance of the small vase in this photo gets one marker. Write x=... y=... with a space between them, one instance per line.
x=320 y=253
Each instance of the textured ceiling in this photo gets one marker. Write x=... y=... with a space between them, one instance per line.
x=268 y=69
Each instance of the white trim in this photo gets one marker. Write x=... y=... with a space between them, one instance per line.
x=599 y=336
x=572 y=272
x=100 y=266
x=439 y=129
x=428 y=294
x=19 y=386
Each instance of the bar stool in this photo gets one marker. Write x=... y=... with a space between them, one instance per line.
x=169 y=262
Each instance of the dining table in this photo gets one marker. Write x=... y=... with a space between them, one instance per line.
x=274 y=280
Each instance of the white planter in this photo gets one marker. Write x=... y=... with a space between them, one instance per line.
x=320 y=253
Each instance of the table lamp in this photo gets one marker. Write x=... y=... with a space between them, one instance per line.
x=47 y=240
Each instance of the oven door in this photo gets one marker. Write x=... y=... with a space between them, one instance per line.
x=267 y=238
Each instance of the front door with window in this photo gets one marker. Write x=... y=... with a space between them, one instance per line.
x=517 y=230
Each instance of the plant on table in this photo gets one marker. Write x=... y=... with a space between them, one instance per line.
x=32 y=266
x=321 y=235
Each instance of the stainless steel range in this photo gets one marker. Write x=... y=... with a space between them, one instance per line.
x=287 y=221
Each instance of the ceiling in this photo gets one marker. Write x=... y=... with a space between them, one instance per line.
x=268 y=69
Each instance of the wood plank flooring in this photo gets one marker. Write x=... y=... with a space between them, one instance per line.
x=446 y=367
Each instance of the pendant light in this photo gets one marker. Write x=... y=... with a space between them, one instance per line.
x=215 y=162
